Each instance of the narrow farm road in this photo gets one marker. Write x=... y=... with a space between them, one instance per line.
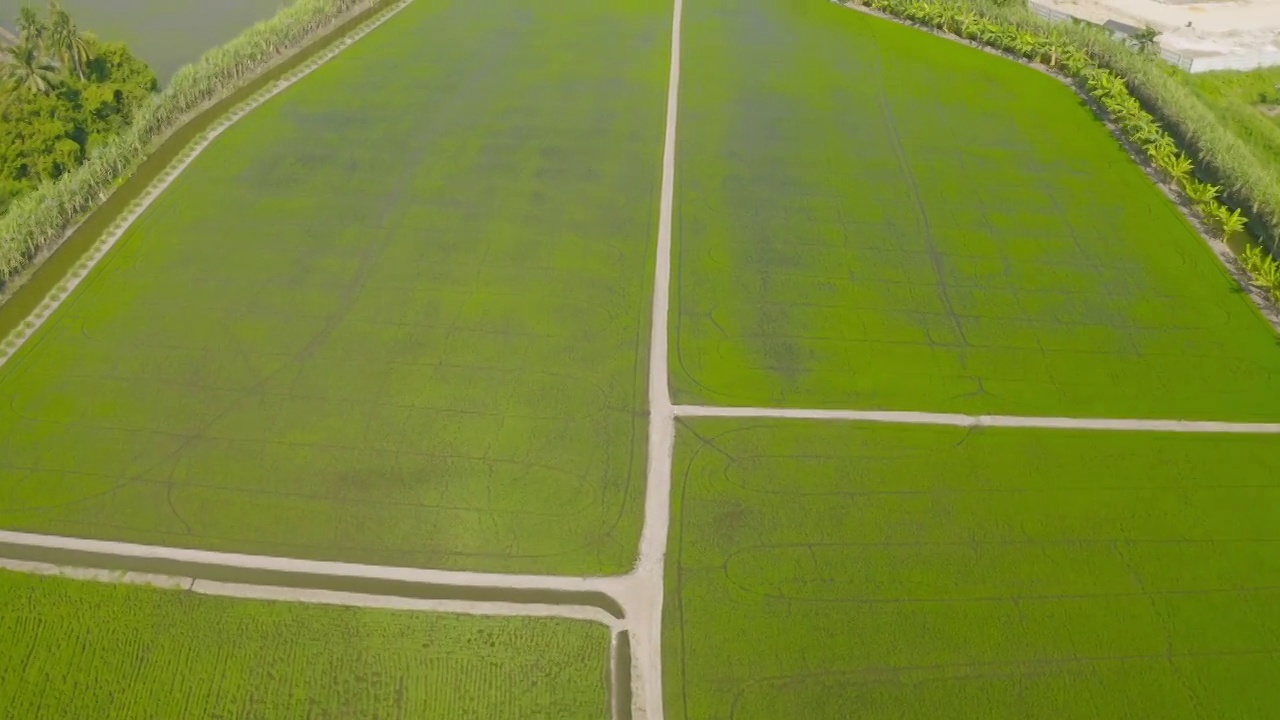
x=651 y=565
x=1004 y=421
x=613 y=586
x=314 y=596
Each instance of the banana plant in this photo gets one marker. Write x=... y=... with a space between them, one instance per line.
x=1075 y=62
x=1201 y=193
x=1052 y=49
x=1263 y=270
x=1180 y=167
x=1161 y=155
x=1229 y=222
x=948 y=18
x=1025 y=43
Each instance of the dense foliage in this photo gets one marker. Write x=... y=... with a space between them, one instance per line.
x=62 y=94
x=1210 y=165
x=44 y=214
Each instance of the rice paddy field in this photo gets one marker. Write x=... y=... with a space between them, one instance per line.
x=872 y=217
x=399 y=315
x=835 y=570
x=76 y=649
x=394 y=316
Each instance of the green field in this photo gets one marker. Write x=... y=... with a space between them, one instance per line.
x=873 y=217
x=845 y=570
x=76 y=649
x=395 y=315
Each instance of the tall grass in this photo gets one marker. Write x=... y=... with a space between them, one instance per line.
x=44 y=215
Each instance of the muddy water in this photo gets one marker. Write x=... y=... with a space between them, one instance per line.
x=166 y=33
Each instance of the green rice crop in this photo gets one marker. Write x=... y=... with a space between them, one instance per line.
x=75 y=649
x=874 y=217
x=838 y=570
x=396 y=315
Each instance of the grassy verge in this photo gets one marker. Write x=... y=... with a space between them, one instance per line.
x=404 y=313
x=44 y=216
x=833 y=570
x=87 y=649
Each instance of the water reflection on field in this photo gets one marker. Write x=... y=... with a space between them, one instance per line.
x=166 y=33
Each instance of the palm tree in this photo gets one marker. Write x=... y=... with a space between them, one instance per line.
x=65 y=41
x=24 y=67
x=30 y=27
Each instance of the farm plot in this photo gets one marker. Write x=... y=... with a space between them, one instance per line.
x=848 y=570
x=393 y=316
x=77 y=649
x=875 y=218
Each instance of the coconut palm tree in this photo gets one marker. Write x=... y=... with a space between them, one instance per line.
x=64 y=40
x=24 y=67
x=30 y=26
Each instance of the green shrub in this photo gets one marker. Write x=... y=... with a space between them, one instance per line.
x=1186 y=144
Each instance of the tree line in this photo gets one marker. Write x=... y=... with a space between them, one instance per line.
x=63 y=92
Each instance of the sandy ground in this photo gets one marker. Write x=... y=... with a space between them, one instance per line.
x=1244 y=28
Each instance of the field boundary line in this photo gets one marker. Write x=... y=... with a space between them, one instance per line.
x=978 y=421
x=114 y=232
x=309 y=596
x=612 y=586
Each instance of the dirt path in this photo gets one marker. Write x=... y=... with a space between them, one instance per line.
x=651 y=565
x=315 y=597
x=171 y=173
x=1006 y=421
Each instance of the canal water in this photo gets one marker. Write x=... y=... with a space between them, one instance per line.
x=166 y=33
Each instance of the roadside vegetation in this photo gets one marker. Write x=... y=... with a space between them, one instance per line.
x=63 y=93
x=1247 y=104
x=1219 y=173
x=42 y=215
